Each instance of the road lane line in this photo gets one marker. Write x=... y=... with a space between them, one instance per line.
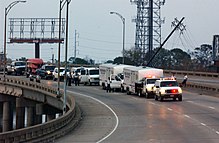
x=117 y=119
x=211 y=107
x=187 y=116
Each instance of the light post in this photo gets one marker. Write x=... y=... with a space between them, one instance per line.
x=123 y=35
x=66 y=49
x=7 y=9
x=66 y=54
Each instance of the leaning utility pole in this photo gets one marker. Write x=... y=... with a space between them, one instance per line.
x=148 y=27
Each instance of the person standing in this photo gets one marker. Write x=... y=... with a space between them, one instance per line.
x=76 y=79
x=108 y=85
x=184 y=80
x=173 y=77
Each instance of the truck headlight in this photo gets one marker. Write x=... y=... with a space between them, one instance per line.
x=48 y=72
x=162 y=91
x=180 y=91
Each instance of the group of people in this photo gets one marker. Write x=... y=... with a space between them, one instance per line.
x=173 y=77
x=76 y=79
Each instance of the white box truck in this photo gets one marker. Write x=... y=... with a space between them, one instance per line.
x=135 y=79
x=114 y=72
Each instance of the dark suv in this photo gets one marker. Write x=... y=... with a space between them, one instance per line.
x=45 y=71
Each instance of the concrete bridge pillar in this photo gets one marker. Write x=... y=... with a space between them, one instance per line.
x=1 y=115
x=20 y=113
x=39 y=113
x=7 y=116
x=30 y=116
x=50 y=117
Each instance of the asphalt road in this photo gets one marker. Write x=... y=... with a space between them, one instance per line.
x=121 y=118
x=140 y=120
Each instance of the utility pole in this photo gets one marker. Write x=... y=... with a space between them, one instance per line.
x=75 y=50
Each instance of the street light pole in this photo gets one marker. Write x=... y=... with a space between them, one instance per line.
x=7 y=9
x=123 y=35
x=66 y=54
x=66 y=51
x=59 y=46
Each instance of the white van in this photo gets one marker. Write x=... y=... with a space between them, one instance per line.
x=92 y=76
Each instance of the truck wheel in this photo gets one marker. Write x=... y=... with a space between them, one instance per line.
x=54 y=79
x=180 y=98
x=139 y=93
x=155 y=97
x=161 y=98
x=128 y=92
x=146 y=94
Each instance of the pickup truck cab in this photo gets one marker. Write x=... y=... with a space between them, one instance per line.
x=148 y=85
x=167 y=89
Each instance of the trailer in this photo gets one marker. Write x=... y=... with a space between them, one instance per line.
x=114 y=72
x=135 y=77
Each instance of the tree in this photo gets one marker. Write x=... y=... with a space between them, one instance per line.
x=203 y=56
x=118 y=60
x=134 y=56
x=180 y=59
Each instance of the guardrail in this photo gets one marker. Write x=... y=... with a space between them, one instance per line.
x=48 y=131
x=193 y=73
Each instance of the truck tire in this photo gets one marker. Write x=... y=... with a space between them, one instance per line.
x=180 y=98
x=155 y=97
x=146 y=94
x=128 y=92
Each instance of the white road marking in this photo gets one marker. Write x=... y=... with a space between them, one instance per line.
x=187 y=116
x=117 y=119
x=211 y=107
x=152 y=103
x=190 y=101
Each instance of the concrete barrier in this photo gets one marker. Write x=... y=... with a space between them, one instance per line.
x=48 y=131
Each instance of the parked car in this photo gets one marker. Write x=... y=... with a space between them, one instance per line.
x=46 y=71
x=16 y=68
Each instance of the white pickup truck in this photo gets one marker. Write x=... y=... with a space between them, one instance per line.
x=16 y=68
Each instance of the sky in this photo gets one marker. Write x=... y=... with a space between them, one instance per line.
x=100 y=34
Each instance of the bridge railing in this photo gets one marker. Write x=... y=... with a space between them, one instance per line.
x=193 y=73
x=47 y=131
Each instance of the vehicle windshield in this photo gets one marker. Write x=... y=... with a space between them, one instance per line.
x=20 y=64
x=168 y=83
x=50 y=68
x=61 y=70
x=94 y=72
x=151 y=81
